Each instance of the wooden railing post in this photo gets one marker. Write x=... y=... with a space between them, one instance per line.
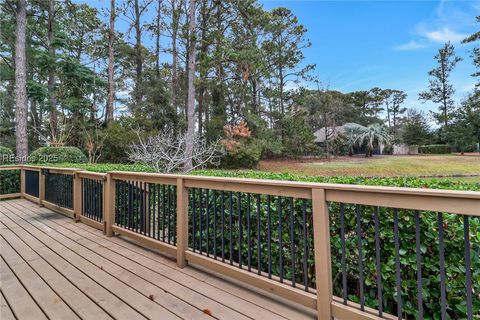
x=41 y=187
x=323 y=265
x=109 y=199
x=22 y=181
x=182 y=223
x=77 y=196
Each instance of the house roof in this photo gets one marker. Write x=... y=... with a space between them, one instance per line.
x=332 y=132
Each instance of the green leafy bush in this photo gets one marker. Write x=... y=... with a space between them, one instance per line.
x=435 y=149
x=6 y=156
x=57 y=155
x=247 y=155
x=9 y=181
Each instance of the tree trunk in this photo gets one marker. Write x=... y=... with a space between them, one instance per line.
x=203 y=55
x=21 y=83
x=191 y=88
x=111 y=64
x=175 y=22
x=138 y=58
x=157 y=40
x=51 y=72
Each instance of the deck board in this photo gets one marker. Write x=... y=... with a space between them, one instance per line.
x=95 y=277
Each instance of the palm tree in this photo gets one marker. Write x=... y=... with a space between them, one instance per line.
x=374 y=134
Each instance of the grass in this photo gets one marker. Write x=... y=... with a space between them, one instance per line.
x=383 y=166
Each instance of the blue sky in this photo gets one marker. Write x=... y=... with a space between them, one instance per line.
x=358 y=45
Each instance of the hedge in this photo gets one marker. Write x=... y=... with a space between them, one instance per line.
x=435 y=149
x=6 y=156
x=9 y=181
x=57 y=155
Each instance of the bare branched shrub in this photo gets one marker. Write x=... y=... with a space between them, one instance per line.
x=166 y=152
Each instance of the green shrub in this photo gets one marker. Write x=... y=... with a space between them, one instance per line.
x=9 y=181
x=57 y=155
x=6 y=156
x=435 y=149
x=246 y=155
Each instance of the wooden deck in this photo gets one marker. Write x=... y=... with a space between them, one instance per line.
x=54 y=268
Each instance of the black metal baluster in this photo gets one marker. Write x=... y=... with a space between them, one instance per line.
x=292 y=242
x=259 y=248
x=130 y=204
x=344 y=263
x=223 y=225
x=468 y=267
x=194 y=221
x=153 y=202
x=139 y=206
x=378 y=265
x=174 y=215
x=240 y=236
x=305 y=245
x=200 y=225
x=149 y=219
x=269 y=237
x=280 y=237
x=169 y=206
x=231 y=227
x=134 y=203
x=215 y=224
x=159 y=211
x=164 y=205
x=443 y=290
x=360 y=258
x=207 y=221
x=419 y=266
x=249 y=240
x=397 y=263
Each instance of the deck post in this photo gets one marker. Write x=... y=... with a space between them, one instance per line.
x=41 y=187
x=182 y=223
x=77 y=196
x=22 y=182
x=323 y=265
x=109 y=199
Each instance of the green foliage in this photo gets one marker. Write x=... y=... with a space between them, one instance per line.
x=6 y=156
x=118 y=137
x=408 y=182
x=464 y=132
x=435 y=149
x=415 y=130
x=57 y=155
x=9 y=181
x=246 y=155
x=298 y=138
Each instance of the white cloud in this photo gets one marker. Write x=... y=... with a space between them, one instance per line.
x=444 y=35
x=452 y=21
x=411 y=45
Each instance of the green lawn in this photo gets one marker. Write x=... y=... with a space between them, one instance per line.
x=384 y=166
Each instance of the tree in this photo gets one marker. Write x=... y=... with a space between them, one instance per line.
x=464 y=132
x=440 y=90
x=398 y=97
x=475 y=53
x=374 y=134
x=191 y=88
x=284 y=48
x=51 y=71
x=21 y=82
x=111 y=65
x=416 y=130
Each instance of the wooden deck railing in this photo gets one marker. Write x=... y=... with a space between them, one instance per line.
x=350 y=252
